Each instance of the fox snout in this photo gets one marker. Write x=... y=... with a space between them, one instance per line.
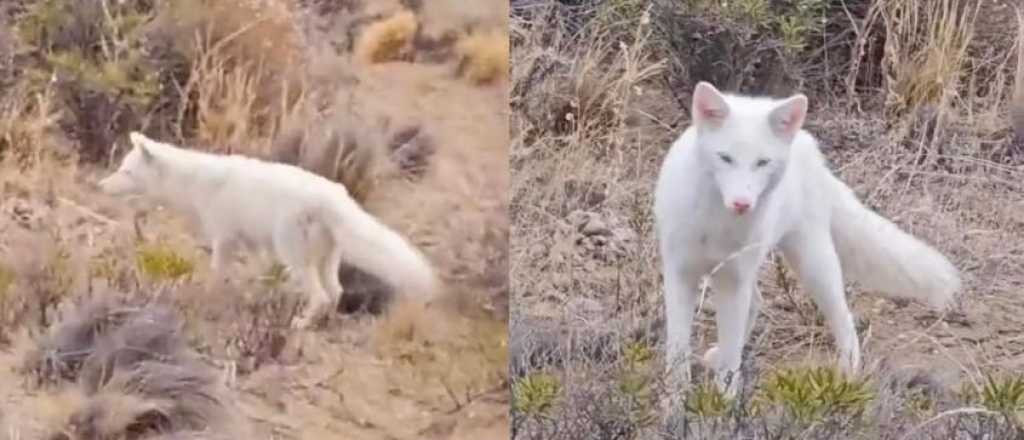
x=739 y=205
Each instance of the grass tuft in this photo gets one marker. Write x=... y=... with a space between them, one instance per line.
x=535 y=395
x=485 y=56
x=159 y=262
x=387 y=40
x=811 y=394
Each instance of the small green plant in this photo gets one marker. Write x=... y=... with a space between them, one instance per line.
x=1004 y=395
x=811 y=394
x=161 y=263
x=754 y=12
x=535 y=394
x=795 y=28
x=637 y=355
x=635 y=380
x=706 y=401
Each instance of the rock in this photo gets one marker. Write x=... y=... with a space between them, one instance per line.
x=595 y=226
x=537 y=251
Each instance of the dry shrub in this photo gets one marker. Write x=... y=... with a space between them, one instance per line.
x=344 y=148
x=260 y=30
x=134 y=371
x=43 y=278
x=926 y=53
x=28 y=125
x=388 y=39
x=91 y=53
x=484 y=56
x=194 y=68
x=245 y=81
x=1017 y=105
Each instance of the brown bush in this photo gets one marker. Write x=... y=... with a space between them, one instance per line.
x=388 y=39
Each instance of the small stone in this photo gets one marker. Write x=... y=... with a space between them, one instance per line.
x=596 y=227
x=537 y=251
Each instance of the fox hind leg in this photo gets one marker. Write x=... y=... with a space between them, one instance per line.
x=295 y=248
x=329 y=273
x=814 y=258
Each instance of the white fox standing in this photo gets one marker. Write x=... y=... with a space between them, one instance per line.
x=310 y=223
x=746 y=178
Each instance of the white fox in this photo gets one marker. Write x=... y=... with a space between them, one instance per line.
x=746 y=178
x=308 y=222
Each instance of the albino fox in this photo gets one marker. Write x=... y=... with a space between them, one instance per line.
x=310 y=223
x=746 y=178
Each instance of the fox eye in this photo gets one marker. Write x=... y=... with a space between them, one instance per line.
x=725 y=158
x=761 y=162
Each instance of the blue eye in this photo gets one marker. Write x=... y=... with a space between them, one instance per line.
x=761 y=163
x=725 y=158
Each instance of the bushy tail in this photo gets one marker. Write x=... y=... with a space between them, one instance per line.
x=372 y=246
x=874 y=252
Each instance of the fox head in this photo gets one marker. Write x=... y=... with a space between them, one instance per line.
x=139 y=172
x=745 y=141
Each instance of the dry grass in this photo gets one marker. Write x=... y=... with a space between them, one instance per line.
x=485 y=56
x=387 y=39
x=600 y=92
x=228 y=83
x=1017 y=110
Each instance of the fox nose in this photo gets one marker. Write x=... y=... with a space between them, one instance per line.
x=740 y=206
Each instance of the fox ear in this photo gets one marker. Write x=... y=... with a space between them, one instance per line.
x=141 y=142
x=709 y=106
x=788 y=117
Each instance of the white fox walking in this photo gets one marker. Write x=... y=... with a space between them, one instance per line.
x=746 y=178
x=309 y=223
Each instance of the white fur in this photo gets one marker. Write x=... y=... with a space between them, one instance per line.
x=809 y=215
x=308 y=222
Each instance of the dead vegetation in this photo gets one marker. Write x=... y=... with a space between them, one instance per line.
x=914 y=105
x=111 y=324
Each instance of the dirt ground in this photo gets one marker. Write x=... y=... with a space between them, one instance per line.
x=409 y=373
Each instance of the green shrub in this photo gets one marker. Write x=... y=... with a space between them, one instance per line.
x=1002 y=394
x=161 y=263
x=706 y=401
x=811 y=394
x=535 y=394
